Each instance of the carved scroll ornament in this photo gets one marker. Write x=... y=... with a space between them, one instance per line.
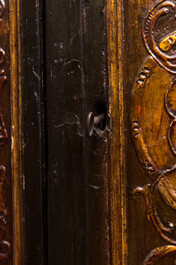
x=153 y=123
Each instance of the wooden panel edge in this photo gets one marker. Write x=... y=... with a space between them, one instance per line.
x=117 y=186
x=15 y=91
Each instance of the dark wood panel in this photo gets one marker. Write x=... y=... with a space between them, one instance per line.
x=33 y=148
x=76 y=85
x=96 y=156
x=67 y=199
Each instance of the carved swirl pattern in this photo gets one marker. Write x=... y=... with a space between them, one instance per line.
x=4 y=245
x=155 y=140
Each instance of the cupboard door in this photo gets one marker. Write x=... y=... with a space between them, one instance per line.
x=105 y=190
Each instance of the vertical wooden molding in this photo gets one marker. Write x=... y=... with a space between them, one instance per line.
x=15 y=90
x=117 y=187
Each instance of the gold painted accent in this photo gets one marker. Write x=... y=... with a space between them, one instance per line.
x=117 y=186
x=15 y=90
x=168 y=42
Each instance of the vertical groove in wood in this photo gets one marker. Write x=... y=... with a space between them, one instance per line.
x=117 y=187
x=15 y=90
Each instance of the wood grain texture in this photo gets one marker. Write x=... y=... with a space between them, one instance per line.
x=67 y=190
x=96 y=156
x=33 y=148
x=15 y=111
x=77 y=165
x=117 y=185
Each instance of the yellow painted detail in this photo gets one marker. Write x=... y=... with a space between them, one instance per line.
x=168 y=42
